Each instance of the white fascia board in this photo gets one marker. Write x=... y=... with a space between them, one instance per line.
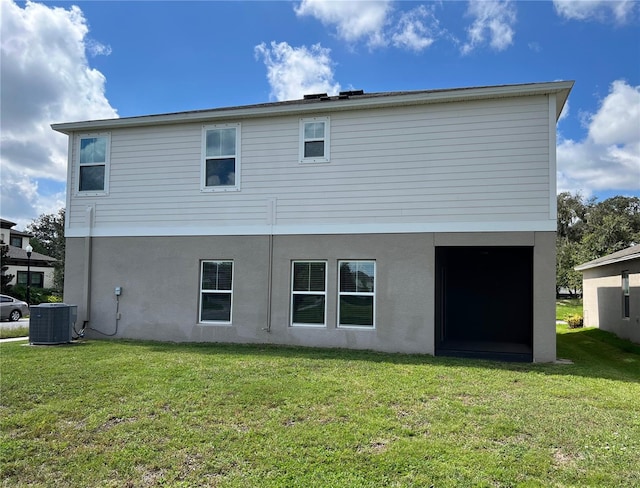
x=630 y=257
x=315 y=229
x=376 y=100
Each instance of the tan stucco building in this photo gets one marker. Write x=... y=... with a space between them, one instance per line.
x=611 y=291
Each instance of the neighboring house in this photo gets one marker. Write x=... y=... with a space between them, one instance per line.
x=385 y=221
x=40 y=265
x=611 y=293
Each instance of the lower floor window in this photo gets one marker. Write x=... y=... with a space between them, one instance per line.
x=216 y=291
x=37 y=279
x=356 y=293
x=626 y=313
x=308 y=293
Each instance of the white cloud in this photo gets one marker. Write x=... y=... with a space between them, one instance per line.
x=354 y=20
x=96 y=48
x=493 y=18
x=609 y=157
x=22 y=198
x=376 y=23
x=618 y=120
x=599 y=10
x=295 y=71
x=417 y=29
x=46 y=78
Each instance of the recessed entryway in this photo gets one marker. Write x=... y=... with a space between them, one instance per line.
x=484 y=302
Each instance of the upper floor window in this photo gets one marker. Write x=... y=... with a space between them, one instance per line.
x=221 y=157
x=16 y=241
x=314 y=140
x=93 y=163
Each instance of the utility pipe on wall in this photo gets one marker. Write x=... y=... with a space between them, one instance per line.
x=271 y=216
x=270 y=284
x=88 y=248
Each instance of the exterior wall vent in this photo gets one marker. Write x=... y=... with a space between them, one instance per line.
x=52 y=323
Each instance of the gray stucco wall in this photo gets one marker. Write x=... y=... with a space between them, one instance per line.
x=159 y=277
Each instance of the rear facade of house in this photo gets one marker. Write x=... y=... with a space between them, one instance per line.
x=414 y=222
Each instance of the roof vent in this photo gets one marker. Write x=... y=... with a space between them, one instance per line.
x=351 y=93
x=316 y=96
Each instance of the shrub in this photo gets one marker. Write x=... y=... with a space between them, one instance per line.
x=575 y=321
x=36 y=295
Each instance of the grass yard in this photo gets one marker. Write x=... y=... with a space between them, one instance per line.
x=124 y=413
x=7 y=333
x=568 y=306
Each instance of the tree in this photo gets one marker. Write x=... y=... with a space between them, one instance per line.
x=5 y=278
x=568 y=256
x=48 y=238
x=572 y=210
x=588 y=230
x=611 y=225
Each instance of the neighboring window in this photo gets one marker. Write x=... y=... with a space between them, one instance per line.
x=221 y=157
x=16 y=241
x=216 y=291
x=93 y=163
x=356 y=293
x=314 y=140
x=37 y=279
x=308 y=293
x=625 y=295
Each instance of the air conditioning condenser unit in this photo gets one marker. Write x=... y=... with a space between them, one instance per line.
x=52 y=323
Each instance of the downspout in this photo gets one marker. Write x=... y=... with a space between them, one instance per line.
x=270 y=284
x=272 y=220
x=88 y=247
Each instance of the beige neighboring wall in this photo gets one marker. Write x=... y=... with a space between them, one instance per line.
x=602 y=299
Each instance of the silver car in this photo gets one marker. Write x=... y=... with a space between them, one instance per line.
x=12 y=308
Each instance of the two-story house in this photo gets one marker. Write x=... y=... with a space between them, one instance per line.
x=417 y=222
x=19 y=264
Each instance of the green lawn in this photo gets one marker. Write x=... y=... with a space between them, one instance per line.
x=124 y=413
x=6 y=333
x=568 y=306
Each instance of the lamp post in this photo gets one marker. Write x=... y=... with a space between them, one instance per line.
x=29 y=250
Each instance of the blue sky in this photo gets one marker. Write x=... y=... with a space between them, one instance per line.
x=64 y=61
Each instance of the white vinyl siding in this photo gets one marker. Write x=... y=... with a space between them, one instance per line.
x=467 y=166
